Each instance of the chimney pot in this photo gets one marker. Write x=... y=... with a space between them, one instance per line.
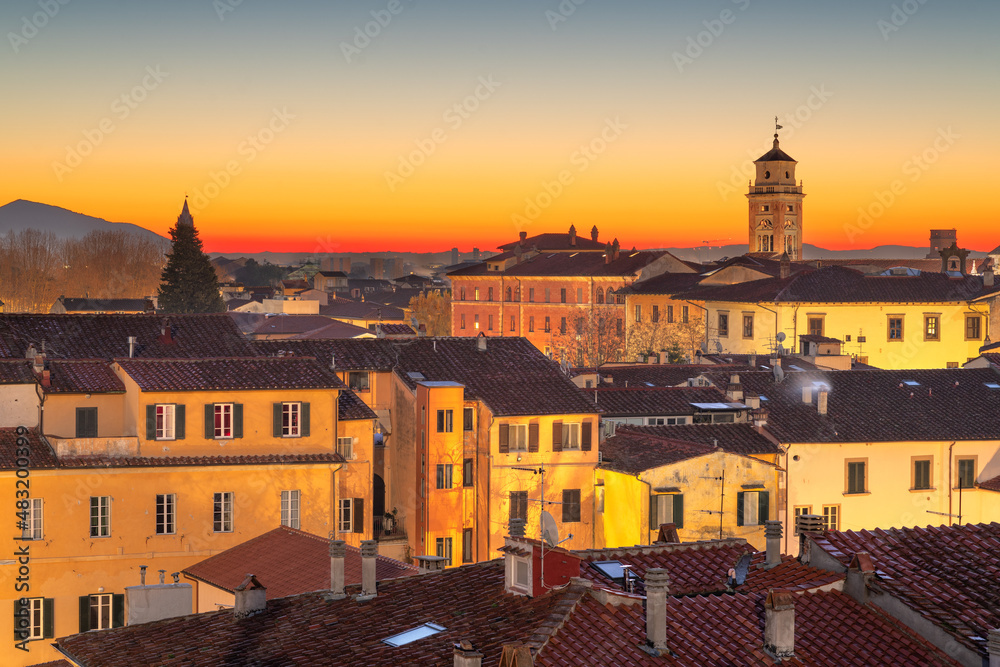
x=807 y=524
x=481 y=342
x=163 y=576
x=821 y=401
x=523 y=235
x=994 y=647
x=251 y=598
x=427 y=563
x=807 y=394
x=772 y=532
x=779 y=624
x=516 y=528
x=657 y=589
x=593 y=234
x=369 y=556
x=988 y=278
x=338 y=551
x=142 y=575
x=466 y=655
x=46 y=379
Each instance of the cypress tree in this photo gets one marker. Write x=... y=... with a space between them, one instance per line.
x=188 y=283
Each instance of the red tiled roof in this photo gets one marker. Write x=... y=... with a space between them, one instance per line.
x=570 y=264
x=40 y=455
x=665 y=283
x=992 y=484
x=347 y=354
x=831 y=630
x=81 y=305
x=468 y=601
x=391 y=329
x=735 y=438
x=290 y=324
x=230 y=374
x=512 y=377
x=350 y=407
x=288 y=562
x=763 y=362
x=555 y=241
x=106 y=336
x=83 y=377
x=176 y=461
x=949 y=574
x=54 y=663
x=634 y=453
x=335 y=329
x=360 y=310
x=660 y=375
x=16 y=371
x=878 y=405
x=651 y=401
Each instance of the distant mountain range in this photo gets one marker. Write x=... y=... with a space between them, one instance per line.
x=23 y=214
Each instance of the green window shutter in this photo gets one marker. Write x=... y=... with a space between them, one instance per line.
x=305 y=420
x=209 y=420
x=533 y=437
x=654 y=519
x=585 y=436
x=117 y=610
x=557 y=436
x=679 y=510
x=739 y=508
x=48 y=618
x=504 y=438
x=17 y=608
x=237 y=420
x=179 y=416
x=762 y=507
x=359 y=515
x=277 y=420
x=84 y=613
x=150 y=422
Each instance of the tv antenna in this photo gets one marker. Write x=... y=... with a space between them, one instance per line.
x=548 y=529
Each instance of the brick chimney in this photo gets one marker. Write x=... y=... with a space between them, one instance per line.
x=572 y=235
x=522 y=236
x=466 y=656
x=46 y=379
x=785 y=266
x=988 y=278
x=734 y=392
x=251 y=598
x=369 y=555
x=751 y=400
x=772 y=532
x=338 y=552
x=657 y=589
x=821 y=401
x=994 y=647
x=779 y=624
x=859 y=573
x=807 y=524
x=593 y=233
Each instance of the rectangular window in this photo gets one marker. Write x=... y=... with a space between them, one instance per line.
x=489 y=294
x=815 y=326
x=444 y=476
x=358 y=380
x=517 y=435
x=461 y=324
x=467 y=545
x=895 y=327
x=620 y=326
x=562 y=325
x=831 y=517
x=513 y=323
x=857 y=476
x=489 y=323
x=290 y=508
x=444 y=421
x=921 y=479
x=291 y=420
x=655 y=315
x=966 y=473
x=165 y=422
x=548 y=324
x=32 y=517
x=531 y=324
x=39 y=615
x=562 y=295
x=166 y=514
x=579 y=295
x=477 y=294
x=100 y=611
x=571 y=505
x=670 y=314
x=467 y=478
x=86 y=422
x=932 y=327
x=752 y=508
x=345 y=447
x=799 y=511
x=723 y=325
x=531 y=294
x=519 y=505
x=223 y=414
x=100 y=516
x=571 y=436
x=666 y=508
x=222 y=512
x=475 y=322
x=467 y=419
x=973 y=327
x=443 y=548
x=748 y=326
x=345 y=515
x=547 y=294
x=684 y=314
x=638 y=313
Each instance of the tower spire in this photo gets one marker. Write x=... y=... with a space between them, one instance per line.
x=185 y=217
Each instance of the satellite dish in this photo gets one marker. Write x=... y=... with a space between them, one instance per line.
x=718 y=347
x=550 y=533
x=780 y=336
x=704 y=347
x=779 y=374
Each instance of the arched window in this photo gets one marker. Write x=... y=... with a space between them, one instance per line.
x=611 y=296
x=461 y=294
x=600 y=295
x=509 y=294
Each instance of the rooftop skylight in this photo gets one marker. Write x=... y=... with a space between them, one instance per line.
x=911 y=383
x=612 y=569
x=419 y=632
x=416 y=375
x=992 y=385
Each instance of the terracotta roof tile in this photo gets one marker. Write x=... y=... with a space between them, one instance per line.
x=634 y=452
x=350 y=407
x=105 y=305
x=334 y=329
x=288 y=562
x=175 y=461
x=346 y=354
x=290 y=324
x=16 y=371
x=40 y=454
x=230 y=374
x=652 y=401
x=554 y=241
x=735 y=438
x=360 y=310
x=660 y=375
x=83 y=377
x=992 y=484
x=948 y=574
x=570 y=264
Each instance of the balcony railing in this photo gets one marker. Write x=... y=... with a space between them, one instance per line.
x=388 y=528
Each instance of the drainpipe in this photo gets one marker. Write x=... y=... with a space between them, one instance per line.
x=649 y=498
x=775 y=323
x=950 y=462
x=41 y=409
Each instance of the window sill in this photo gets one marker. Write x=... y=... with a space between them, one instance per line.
x=923 y=490
x=964 y=488
x=860 y=493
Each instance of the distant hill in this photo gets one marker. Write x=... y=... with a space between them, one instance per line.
x=23 y=214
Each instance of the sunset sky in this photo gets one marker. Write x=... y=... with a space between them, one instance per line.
x=290 y=129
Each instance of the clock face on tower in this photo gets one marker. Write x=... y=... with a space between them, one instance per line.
x=767 y=174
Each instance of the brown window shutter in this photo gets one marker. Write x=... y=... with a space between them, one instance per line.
x=557 y=436
x=504 y=438
x=585 y=436
x=359 y=515
x=533 y=437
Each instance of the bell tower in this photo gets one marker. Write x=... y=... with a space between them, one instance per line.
x=776 y=204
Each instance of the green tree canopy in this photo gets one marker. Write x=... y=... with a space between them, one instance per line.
x=188 y=283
